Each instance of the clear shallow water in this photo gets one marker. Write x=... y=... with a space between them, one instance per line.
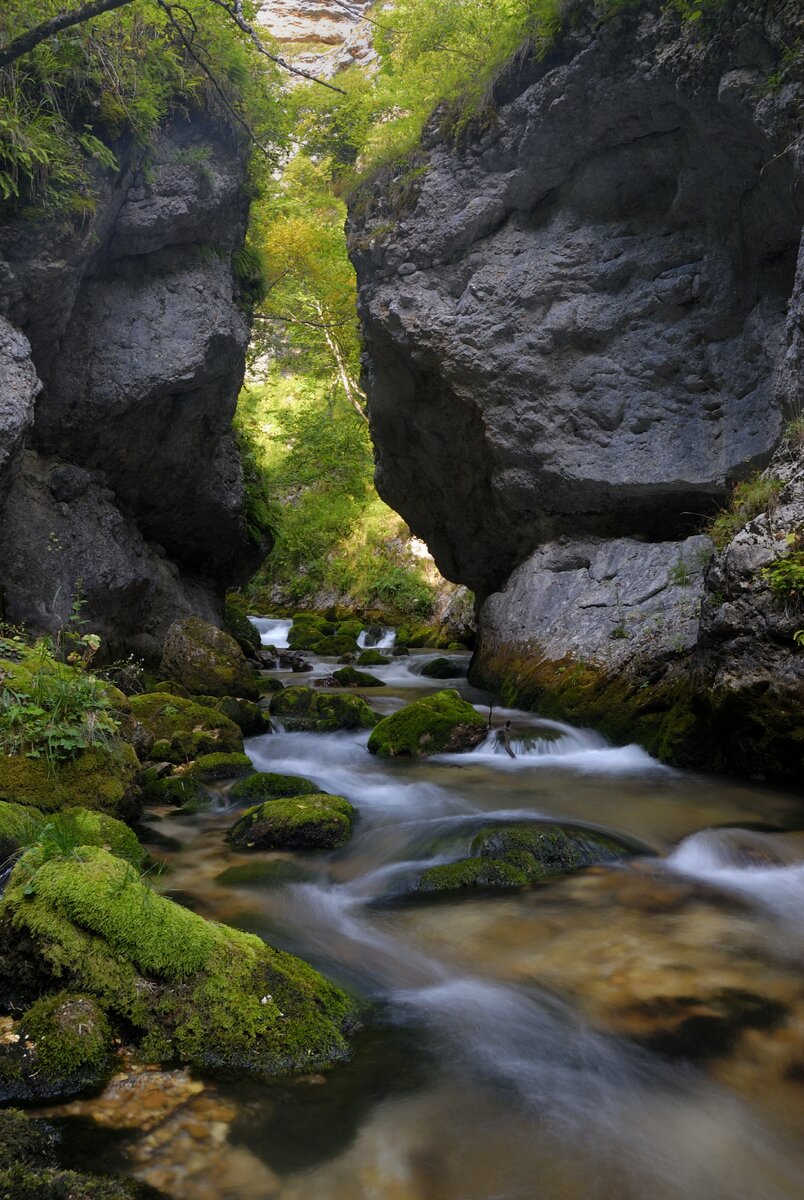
x=520 y=1045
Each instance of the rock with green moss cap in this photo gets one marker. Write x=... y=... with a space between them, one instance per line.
x=372 y=658
x=302 y=708
x=173 y=689
x=471 y=874
x=27 y=1183
x=168 y=728
x=437 y=724
x=178 y=790
x=63 y=1048
x=210 y=767
x=23 y=1141
x=236 y=621
x=311 y=822
x=268 y=684
x=188 y=989
x=102 y=777
x=349 y=677
x=269 y=785
x=252 y=719
x=206 y=660
x=443 y=668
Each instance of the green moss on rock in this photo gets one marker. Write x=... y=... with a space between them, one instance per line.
x=268 y=785
x=99 y=778
x=311 y=822
x=25 y=1183
x=372 y=658
x=472 y=874
x=263 y=874
x=443 y=722
x=303 y=708
x=23 y=1141
x=270 y=683
x=443 y=668
x=63 y=1047
x=210 y=767
x=237 y=624
x=349 y=677
x=190 y=990
x=179 y=790
x=206 y=660
x=170 y=729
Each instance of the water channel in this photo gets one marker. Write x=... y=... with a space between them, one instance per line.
x=633 y=1030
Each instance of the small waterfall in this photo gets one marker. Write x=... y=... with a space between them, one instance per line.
x=377 y=637
x=273 y=631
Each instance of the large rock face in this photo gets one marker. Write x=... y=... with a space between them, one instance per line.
x=131 y=481
x=584 y=323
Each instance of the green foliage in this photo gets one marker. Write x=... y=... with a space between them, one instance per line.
x=680 y=574
x=785 y=575
x=53 y=710
x=66 y=102
x=753 y=496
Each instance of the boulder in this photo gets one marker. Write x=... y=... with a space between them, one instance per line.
x=211 y=767
x=266 y=785
x=311 y=822
x=63 y=1048
x=102 y=778
x=349 y=677
x=443 y=668
x=204 y=659
x=372 y=658
x=300 y=708
x=438 y=724
x=169 y=728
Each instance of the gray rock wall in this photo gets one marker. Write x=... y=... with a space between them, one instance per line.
x=131 y=481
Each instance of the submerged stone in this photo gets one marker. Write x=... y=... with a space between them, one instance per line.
x=310 y=822
x=349 y=677
x=301 y=708
x=443 y=668
x=263 y=874
x=443 y=722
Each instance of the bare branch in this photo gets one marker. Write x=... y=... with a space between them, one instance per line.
x=33 y=37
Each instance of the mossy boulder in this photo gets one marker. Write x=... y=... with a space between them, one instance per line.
x=443 y=668
x=237 y=624
x=349 y=677
x=269 y=874
x=441 y=723
x=511 y=856
x=168 y=728
x=178 y=790
x=102 y=778
x=311 y=822
x=23 y=1141
x=476 y=874
x=26 y=1183
x=268 y=684
x=210 y=767
x=63 y=1047
x=206 y=660
x=335 y=646
x=302 y=708
x=252 y=719
x=268 y=785
x=186 y=989
x=372 y=658
x=173 y=689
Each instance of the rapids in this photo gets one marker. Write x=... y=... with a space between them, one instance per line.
x=636 y=1029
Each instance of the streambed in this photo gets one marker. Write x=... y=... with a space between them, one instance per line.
x=634 y=1029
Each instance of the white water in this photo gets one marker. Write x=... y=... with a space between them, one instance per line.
x=273 y=631
x=369 y=639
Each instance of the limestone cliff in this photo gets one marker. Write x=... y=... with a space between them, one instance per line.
x=583 y=324
x=122 y=351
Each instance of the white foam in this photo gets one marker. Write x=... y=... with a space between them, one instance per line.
x=273 y=631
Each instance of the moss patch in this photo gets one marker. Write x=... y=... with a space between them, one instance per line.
x=471 y=874
x=206 y=660
x=302 y=708
x=439 y=723
x=24 y=1183
x=23 y=1141
x=191 y=990
x=263 y=874
x=63 y=1049
x=443 y=668
x=210 y=767
x=310 y=822
x=349 y=677
x=372 y=658
x=267 y=785
x=98 y=778
x=171 y=729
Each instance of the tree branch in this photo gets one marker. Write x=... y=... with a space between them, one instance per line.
x=33 y=37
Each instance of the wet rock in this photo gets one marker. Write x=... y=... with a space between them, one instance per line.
x=237 y=624
x=349 y=677
x=309 y=822
x=372 y=658
x=59 y=1048
x=172 y=729
x=263 y=874
x=267 y=785
x=294 y=661
x=300 y=708
x=204 y=659
x=98 y=778
x=475 y=874
x=23 y=1141
x=443 y=668
x=211 y=767
x=437 y=724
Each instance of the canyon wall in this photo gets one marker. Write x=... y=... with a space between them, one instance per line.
x=122 y=344
x=584 y=324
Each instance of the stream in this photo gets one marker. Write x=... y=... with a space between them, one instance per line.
x=632 y=1030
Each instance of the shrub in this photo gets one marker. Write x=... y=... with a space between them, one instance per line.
x=753 y=496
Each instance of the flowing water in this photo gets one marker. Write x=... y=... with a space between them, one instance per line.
x=633 y=1030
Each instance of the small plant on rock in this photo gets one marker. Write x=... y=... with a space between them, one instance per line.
x=753 y=496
